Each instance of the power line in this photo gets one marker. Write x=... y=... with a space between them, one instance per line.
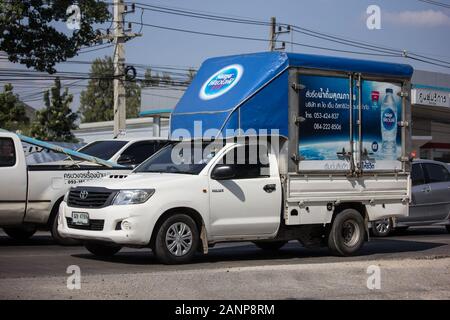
x=309 y=32
x=436 y=3
x=96 y=49
x=260 y=40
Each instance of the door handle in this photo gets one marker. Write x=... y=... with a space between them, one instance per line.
x=426 y=189
x=269 y=188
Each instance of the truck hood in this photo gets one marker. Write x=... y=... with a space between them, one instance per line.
x=139 y=181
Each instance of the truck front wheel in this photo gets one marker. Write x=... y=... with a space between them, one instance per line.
x=177 y=240
x=20 y=233
x=102 y=250
x=347 y=233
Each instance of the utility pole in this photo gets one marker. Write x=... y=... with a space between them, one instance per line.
x=274 y=33
x=119 y=37
x=120 y=108
x=272 y=37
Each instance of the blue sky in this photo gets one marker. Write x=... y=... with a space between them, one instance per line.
x=340 y=17
x=405 y=24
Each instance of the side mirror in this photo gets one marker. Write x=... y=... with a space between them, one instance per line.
x=222 y=172
x=125 y=159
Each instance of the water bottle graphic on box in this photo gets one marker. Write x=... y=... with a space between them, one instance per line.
x=389 y=126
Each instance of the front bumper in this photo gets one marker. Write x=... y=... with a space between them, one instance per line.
x=138 y=217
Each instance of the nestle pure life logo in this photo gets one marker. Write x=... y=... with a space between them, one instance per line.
x=221 y=82
x=389 y=119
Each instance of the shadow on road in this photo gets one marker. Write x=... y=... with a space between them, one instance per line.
x=376 y=249
x=39 y=240
x=45 y=239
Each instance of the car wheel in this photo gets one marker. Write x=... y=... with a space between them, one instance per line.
x=20 y=233
x=347 y=233
x=177 y=240
x=448 y=228
x=57 y=237
x=270 y=245
x=381 y=228
x=102 y=250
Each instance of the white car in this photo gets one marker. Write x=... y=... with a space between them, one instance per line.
x=127 y=152
x=30 y=195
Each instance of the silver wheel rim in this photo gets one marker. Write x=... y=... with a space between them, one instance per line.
x=351 y=233
x=179 y=239
x=383 y=226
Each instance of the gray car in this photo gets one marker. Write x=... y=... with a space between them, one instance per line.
x=430 y=203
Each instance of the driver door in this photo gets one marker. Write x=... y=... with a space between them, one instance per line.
x=13 y=191
x=249 y=204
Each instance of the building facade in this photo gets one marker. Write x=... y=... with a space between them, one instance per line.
x=430 y=99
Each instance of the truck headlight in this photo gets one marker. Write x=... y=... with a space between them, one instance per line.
x=125 y=197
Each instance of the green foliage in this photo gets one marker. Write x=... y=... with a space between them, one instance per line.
x=191 y=75
x=151 y=79
x=97 y=101
x=56 y=121
x=28 y=34
x=12 y=111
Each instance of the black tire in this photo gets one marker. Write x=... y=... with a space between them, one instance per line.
x=20 y=233
x=102 y=250
x=270 y=245
x=382 y=228
x=166 y=240
x=57 y=237
x=347 y=233
x=448 y=228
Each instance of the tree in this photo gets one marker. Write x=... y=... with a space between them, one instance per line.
x=29 y=35
x=166 y=79
x=151 y=79
x=191 y=75
x=56 y=121
x=97 y=101
x=12 y=111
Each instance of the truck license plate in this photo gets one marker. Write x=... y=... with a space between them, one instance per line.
x=80 y=218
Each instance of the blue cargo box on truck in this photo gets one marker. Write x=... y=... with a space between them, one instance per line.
x=306 y=99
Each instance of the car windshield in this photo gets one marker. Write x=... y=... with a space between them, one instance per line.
x=103 y=149
x=181 y=157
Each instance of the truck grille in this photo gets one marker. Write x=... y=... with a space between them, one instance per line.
x=94 y=225
x=90 y=198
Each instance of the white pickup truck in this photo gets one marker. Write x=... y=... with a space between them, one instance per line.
x=30 y=194
x=309 y=153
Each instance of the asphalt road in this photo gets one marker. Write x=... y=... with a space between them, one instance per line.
x=414 y=264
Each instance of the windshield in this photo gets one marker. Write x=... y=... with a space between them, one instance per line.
x=181 y=157
x=103 y=149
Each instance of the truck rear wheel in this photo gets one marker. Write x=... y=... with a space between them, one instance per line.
x=270 y=245
x=20 y=233
x=177 y=240
x=102 y=250
x=347 y=233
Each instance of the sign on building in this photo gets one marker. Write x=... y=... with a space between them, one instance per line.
x=430 y=97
